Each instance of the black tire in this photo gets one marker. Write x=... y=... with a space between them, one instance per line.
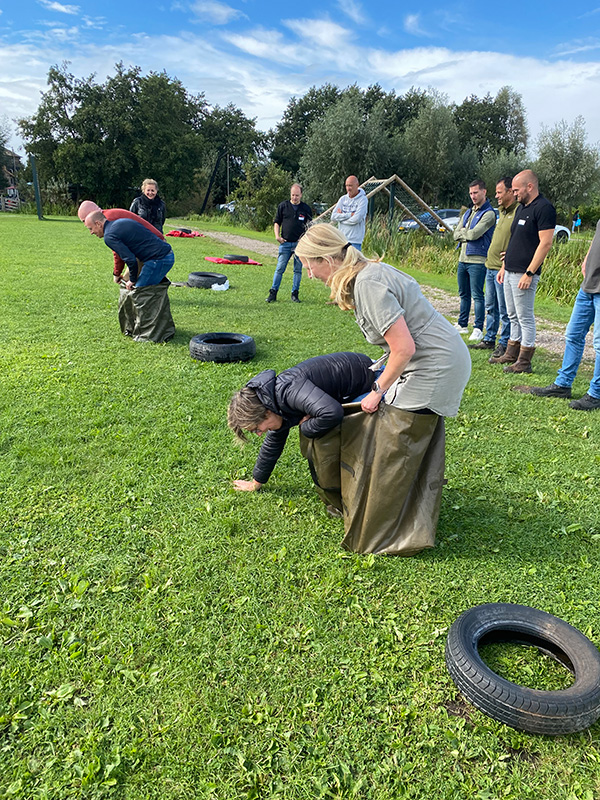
x=562 y=237
x=546 y=712
x=222 y=347
x=204 y=280
x=236 y=258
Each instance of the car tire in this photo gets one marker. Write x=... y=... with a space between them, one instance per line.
x=205 y=280
x=562 y=237
x=222 y=348
x=236 y=258
x=532 y=710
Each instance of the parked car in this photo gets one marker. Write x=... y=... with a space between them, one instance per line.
x=561 y=234
x=230 y=206
x=429 y=221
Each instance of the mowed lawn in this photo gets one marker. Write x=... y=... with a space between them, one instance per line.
x=163 y=636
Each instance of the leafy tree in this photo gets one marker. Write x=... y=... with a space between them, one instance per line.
x=258 y=195
x=437 y=166
x=228 y=133
x=497 y=165
x=492 y=124
x=291 y=134
x=568 y=167
x=349 y=140
x=105 y=138
x=4 y=157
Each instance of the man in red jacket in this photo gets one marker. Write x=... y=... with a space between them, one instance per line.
x=111 y=214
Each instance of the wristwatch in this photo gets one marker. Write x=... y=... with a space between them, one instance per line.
x=375 y=387
x=531 y=274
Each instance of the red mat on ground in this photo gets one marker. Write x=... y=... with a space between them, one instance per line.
x=226 y=261
x=189 y=235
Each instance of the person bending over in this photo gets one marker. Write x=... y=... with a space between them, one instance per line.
x=309 y=394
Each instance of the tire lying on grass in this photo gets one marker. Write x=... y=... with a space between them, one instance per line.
x=204 y=280
x=236 y=258
x=222 y=347
x=536 y=711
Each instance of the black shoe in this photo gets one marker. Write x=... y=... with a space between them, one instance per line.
x=552 y=391
x=585 y=403
x=498 y=353
x=272 y=296
x=484 y=344
x=295 y=298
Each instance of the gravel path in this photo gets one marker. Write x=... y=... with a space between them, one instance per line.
x=550 y=335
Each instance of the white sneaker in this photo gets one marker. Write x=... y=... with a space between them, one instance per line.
x=460 y=328
x=476 y=336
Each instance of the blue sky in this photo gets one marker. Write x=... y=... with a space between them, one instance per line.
x=258 y=53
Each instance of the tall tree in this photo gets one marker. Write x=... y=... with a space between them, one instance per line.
x=349 y=140
x=567 y=166
x=491 y=124
x=108 y=137
x=4 y=157
x=291 y=134
x=230 y=139
x=437 y=166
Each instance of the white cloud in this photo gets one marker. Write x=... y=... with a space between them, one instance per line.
x=60 y=7
x=412 y=24
x=269 y=45
x=353 y=9
x=215 y=12
x=577 y=46
x=320 y=32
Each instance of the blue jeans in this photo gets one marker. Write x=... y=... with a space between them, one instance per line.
x=154 y=271
x=495 y=307
x=286 y=251
x=586 y=312
x=519 y=305
x=471 y=278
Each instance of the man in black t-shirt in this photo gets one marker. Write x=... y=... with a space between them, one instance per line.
x=530 y=240
x=289 y=224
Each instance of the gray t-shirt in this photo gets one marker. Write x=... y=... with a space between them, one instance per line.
x=438 y=372
x=591 y=280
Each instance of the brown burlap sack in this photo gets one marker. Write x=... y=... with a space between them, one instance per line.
x=385 y=471
x=145 y=313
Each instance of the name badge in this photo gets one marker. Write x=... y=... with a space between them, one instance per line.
x=301 y=217
x=521 y=222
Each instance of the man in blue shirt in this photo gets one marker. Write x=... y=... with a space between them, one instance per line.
x=138 y=247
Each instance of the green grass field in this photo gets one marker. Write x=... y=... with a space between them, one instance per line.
x=165 y=637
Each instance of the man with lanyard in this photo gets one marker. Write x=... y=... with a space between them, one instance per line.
x=474 y=235
x=495 y=305
x=289 y=224
x=531 y=237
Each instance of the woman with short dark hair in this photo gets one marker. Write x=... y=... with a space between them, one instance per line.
x=309 y=394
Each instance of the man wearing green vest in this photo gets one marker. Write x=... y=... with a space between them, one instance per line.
x=495 y=304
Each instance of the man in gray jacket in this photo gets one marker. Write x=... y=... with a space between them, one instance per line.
x=350 y=212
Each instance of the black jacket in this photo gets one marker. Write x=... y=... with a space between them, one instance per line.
x=153 y=211
x=316 y=387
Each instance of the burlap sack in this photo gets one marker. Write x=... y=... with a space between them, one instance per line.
x=145 y=313
x=385 y=471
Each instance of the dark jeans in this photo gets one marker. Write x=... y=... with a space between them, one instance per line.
x=471 y=279
x=495 y=308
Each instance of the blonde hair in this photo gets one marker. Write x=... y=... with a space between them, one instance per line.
x=245 y=412
x=324 y=242
x=149 y=181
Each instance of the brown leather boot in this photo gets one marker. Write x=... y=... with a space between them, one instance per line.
x=511 y=354
x=523 y=363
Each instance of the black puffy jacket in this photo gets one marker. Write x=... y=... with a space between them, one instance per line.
x=316 y=387
x=153 y=211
